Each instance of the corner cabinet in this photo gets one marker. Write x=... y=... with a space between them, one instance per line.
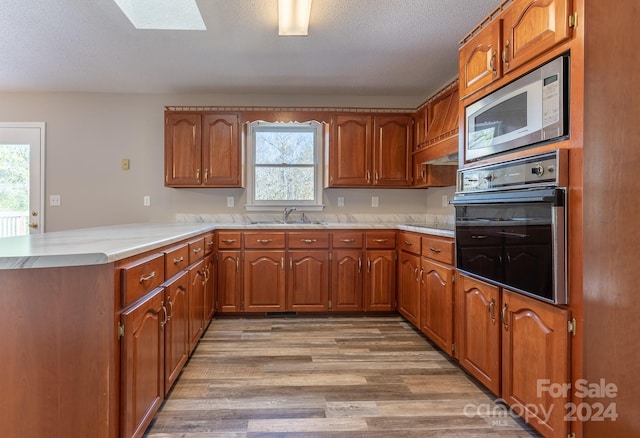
x=367 y=151
x=202 y=149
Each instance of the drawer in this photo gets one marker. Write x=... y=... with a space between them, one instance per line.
x=346 y=239
x=308 y=239
x=263 y=239
x=196 y=249
x=409 y=242
x=209 y=243
x=438 y=248
x=176 y=259
x=141 y=276
x=381 y=239
x=228 y=240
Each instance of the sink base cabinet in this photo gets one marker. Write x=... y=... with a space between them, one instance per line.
x=308 y=281
x=264 y=281
x=380 y=281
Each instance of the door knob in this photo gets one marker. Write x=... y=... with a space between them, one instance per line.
x=33 y=225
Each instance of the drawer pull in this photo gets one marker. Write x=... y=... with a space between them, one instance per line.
x=381 y=240
x=436 y=250
x=264 y=241
x=308 y=240
x=209 y=243
x=196 y=250
x=347 y=240
x=229 y=240
x=406 y=242
x=176 y=261
x=148 y=277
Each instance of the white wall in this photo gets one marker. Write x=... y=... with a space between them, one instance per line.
x=88 y=134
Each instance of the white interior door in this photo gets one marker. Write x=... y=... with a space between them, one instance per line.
x=21 y=178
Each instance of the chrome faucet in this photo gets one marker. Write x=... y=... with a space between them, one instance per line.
x=285 y=214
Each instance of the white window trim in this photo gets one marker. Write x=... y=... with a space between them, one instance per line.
x=260 y=205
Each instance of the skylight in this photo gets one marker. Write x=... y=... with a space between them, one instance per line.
x=163 y=14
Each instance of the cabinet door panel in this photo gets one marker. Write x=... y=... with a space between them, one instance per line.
x=531 y=27
x=380 y=281
x=222 y=152
x=210 y=287
x=392 y=151
x=436 y=311
x=480 y=62
x=176 y=329
x=183 y=150
x=478 y=330
x=229 y=285
x=308 y=282
x=142 y=365
x=197 y=280
x=346 y=280
x=409 y=287
x=264 y=287
x=535 y=354
x=350 y=157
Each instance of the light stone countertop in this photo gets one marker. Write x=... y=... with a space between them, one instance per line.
x=91 y=246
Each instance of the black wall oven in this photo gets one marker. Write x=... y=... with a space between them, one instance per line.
x=510 y=225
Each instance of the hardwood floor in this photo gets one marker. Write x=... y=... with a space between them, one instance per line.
x=326 y=377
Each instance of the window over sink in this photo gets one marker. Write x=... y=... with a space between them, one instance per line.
x=284 y=165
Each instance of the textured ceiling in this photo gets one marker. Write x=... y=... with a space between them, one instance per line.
x=354 y=47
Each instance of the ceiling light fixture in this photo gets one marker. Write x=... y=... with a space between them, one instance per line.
x=163 y=14
x=293 y=17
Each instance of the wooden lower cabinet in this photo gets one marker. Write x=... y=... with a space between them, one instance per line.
x=478 y=330
x=380 y=281
x=197 y=281
x=308 y=281
x=264 y=281
x=436 y=303
x=176 y=330
x=535 y=355
x=229 y=282
x=346 y=280
x=210 y=286
x=409 y=287
x=142 y=362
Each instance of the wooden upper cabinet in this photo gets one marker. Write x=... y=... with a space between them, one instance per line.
x=392 y=150
x=530 y=27
x=480 y=62
x=369 y=151
x=350 y=153
x=222 y=158
x=182 y=149
x=202 y=150
x=525 y=29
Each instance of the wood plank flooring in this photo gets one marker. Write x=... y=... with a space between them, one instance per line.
x=326 y=377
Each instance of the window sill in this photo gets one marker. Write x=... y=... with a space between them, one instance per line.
x=282 y=207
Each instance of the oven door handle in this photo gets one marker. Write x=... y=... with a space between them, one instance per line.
x=553 y=196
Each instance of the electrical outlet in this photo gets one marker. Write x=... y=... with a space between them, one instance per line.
x=231 y=201
x=374 y=201
x=340 y=201
x=54 y=200
x=146 y=201
x=445 y=201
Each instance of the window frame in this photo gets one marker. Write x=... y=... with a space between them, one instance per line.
x=319 y=131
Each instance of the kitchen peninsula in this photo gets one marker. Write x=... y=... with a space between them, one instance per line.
x=99 y=321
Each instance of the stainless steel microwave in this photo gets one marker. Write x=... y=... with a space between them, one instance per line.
x=532 y=109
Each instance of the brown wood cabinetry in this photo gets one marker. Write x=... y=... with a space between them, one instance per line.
x=380 y=273
x=308 y=280
x=409 y=287
x=210 y=286
x=535 y=354
x=437 y=291
x=197 y=281
x=202 y=149
x=142 y=362
x=524 y=30
x=369 y=150
x=229 y=281
x=264 y=281
x=177 y=328
x=346 y=271
x=478 y=330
